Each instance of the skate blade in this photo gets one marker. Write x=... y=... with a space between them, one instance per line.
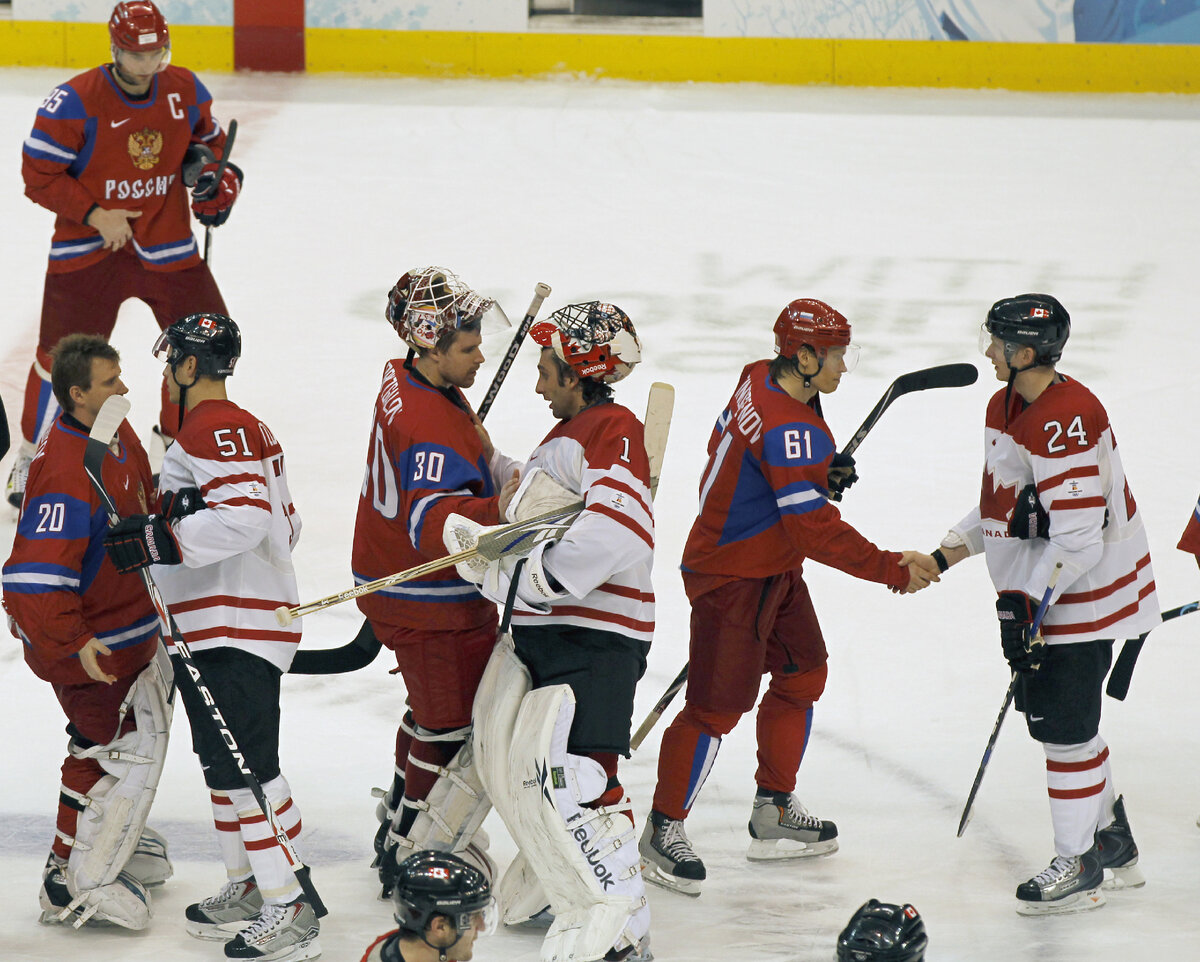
x=223 y=932
x=1124 y=877
x=777 y=849
x=1079 y=902
x=652 y=873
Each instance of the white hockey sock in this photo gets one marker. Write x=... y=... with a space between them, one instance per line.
x=1076 y=779
x=272 y=870
x=229 y=836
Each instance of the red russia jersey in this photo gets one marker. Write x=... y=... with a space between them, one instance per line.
x=237 y=552
x=93 y=144
x=1190 y=541
x=59 y=585
x=764 y=505
x=424 y=461
x=1063 y=443
x=605 y=558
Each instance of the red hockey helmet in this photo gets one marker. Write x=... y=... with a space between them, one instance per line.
x=597 y=340
x=138 y=25
x=807 y=321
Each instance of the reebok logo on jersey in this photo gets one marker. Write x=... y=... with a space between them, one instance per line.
x=117 y=123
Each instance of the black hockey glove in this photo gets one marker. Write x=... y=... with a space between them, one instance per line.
x=841 y=475
x=1029 y=519
x=141 y=540
x=181 y=503
x=1015 y=610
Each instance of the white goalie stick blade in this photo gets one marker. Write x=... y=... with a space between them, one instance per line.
x=659 y=407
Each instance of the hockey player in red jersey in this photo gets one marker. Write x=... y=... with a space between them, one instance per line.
x=558 y=694
x=1054 y=491
x=222 y=547
x=426 y=458
x=112 y=153
x=764 y=508
x=1190 y=541
x=92 y=633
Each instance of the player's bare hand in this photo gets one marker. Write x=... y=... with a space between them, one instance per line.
x=922 y=570
x=507 y=492
x=88 y=656
x=113 y=225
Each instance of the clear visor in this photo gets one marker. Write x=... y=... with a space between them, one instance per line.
x=848 y=355
x=493 y=320
x=485 y=920
x=162 y=349
x=987 y=338
x=142 y=62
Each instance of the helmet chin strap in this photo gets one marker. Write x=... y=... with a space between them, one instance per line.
x=183 y=389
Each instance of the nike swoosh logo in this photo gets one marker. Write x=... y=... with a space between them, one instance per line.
x=117 y=123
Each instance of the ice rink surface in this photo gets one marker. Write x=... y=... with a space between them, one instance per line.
x=700 y=210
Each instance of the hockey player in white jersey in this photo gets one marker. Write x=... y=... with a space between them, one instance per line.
x=1054 y=491
x=223 y=565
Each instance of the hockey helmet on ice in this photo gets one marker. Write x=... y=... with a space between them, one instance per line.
x=597 y=340
x=212 y=339
x=807 y=322
x=882 y=932
x=428 y=303
x=1034 y=320
x=431 y=883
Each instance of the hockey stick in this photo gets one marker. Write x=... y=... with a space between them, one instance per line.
x=944 y=375
x=540 y=293
x=1008 y=697
x=101 y=436
x=1118 y=680
x=216 y=184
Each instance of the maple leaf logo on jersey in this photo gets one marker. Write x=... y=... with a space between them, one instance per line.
x=997 y=498
x=144 y=147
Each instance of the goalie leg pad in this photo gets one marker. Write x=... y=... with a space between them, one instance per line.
x=110 y=828
x=587 y=858
x=504 y=684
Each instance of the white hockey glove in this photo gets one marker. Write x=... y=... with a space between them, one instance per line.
x=460 y=533
x=538 y=494
x=536 y=587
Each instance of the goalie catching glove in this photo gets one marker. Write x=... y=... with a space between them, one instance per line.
x=141 y=540
x=1015 y=610
x=212 y=200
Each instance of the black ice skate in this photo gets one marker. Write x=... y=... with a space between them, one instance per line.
x=781 y=828
x=220 y=918
x=1118 y=853
x=282 y=933
x=668 y=859
x=1069 y=884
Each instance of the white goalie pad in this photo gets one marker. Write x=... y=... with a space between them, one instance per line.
x=110 y=828
x=504 y=684
x=538 y=494
x=586 y=858
x=522 y=896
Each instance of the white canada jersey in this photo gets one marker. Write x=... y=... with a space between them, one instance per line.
x=237 y=553
x=1063 y=443
x=605 y=558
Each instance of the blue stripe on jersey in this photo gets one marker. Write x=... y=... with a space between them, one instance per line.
x=168 y=253
x=86 y=151
x=796 y=443
x=454 y=590
x=41 y=146
x=702 y=762
x=135 y=634
x=94 y=556
x=64 y=103
x=55 y=517
x=34 y=578
x=202 y=94
x=752 y=509
x=801 y=498
x=66 y=250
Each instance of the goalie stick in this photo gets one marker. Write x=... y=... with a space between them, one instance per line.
x=944 y=375
x=230 y=135
x=101 y=436
x=540 y=293
x=519 y=538
x=1008 y=697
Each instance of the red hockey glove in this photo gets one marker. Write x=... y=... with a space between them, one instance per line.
x=141 y=540
x=1015 y=610
x=212 y=200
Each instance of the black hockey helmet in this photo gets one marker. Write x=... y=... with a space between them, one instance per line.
x=882 y=932
x=212 y=339
x=1035 y=320
x=431 y=883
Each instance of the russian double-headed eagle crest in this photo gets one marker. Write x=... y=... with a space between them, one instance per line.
x=144 y=147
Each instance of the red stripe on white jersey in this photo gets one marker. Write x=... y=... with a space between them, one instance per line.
x=1083 y=471
x=232 y=479
x=1053 y=766
x=623 y=591
x=232 y=601
x=624 y=520
x=1095 y=626
x=1096 y=593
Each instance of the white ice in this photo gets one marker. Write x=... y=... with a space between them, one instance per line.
x=701 y=210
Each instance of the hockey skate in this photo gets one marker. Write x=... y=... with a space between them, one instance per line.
x=780 y=828
x=668 y=859
x=220 y=918
x=124 y=902
x=281 y=933
x=1118 y=852
x=14 y=490
x=1069 y=884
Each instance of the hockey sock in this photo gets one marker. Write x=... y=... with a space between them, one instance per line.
x=272 y=871
x=689 y=748
x=40 y=406
x=783 y=726
x=79 y=776
x=421 y=773
x=229 y=836
x=1076 y=782
x=404 y=737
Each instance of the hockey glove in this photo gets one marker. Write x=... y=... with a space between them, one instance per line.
x=536 y=587
x=141 y=540
x=212 y=200
x=1015 y=610
x=841 y=475
x=1029 y=519
x=181 y=503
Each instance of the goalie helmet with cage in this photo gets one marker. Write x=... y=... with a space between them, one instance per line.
x=596 y=339
x=432 y=883
x=883 y=932
x=1028 y=320
x=428 y=303
x=212 y=339
x=807 y=322
x=138 y=26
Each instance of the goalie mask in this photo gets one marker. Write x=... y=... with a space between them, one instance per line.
x=428 y=303
x=597 y=340
x=881 y=932
x=807 y=322
x=429 y=884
